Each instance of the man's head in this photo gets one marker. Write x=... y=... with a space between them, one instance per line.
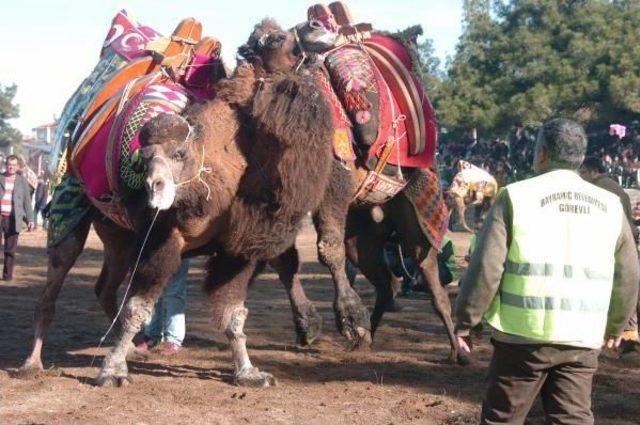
x=561 y=143
x=12 y=165
x=592 y=168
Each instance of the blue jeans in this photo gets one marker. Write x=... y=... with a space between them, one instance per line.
x=168 y=322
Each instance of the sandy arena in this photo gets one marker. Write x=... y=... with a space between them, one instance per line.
x=405 y=379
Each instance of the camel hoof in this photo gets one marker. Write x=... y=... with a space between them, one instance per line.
x=308 y=328
x=110 y=381
x=363 y=340
x=253 y=378
x=354 y=323
x=28 y=371
x=460 y=358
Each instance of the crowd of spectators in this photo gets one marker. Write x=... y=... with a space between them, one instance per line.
x=510 y=159
x=507 y=160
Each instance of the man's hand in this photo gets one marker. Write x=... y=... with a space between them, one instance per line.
x=30 y=226
x=465 y=343
x=612 y=341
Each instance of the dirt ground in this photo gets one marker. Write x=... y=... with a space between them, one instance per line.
x=405 y=379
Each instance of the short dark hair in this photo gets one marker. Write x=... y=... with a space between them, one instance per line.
x=10 y=157
x=594 y=163
x=564 y=141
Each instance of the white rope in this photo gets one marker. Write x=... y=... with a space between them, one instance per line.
x=404 y=266
x=198 y=176
x=126 y=293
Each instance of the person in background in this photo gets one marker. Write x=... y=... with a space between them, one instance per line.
x=41 y=196
x=593 y=170
x=15 y=210
x=167 y=327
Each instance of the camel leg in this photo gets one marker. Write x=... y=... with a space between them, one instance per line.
x=461 y=209
x=60 y=260
x=228 y=279
x=352 y=317
x=373 y=267
x=428 y=264
x=117 y=260
x=307 y=320
x=365 y=247
x=159 y=262
x=415 y=244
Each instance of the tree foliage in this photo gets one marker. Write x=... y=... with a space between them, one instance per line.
x=520 y=62
x=9 y=136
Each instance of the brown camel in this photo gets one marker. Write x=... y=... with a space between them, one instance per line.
x=471 y=186
x=238 y=181
x=241 y=180
x=341 y=222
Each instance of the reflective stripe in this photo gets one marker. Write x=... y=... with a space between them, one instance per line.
x=550 y=303
x=545 y=269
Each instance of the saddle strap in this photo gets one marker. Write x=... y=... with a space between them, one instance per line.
x=373 y=186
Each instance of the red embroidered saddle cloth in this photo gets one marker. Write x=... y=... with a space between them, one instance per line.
x=159 y=75
x=373 y=76
x=384 y=100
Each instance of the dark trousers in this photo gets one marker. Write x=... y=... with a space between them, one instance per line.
x=39 y=209
x=561 y=374
x=8 y=229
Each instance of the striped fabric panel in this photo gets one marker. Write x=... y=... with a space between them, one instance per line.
x=5 y=203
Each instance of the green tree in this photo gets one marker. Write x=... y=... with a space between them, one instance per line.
x=9 y=136
x=467 y=99
x=429 y=72
x=524 y=61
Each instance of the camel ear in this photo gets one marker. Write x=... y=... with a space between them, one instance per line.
x=163 y=128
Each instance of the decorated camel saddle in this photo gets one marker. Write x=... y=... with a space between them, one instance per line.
x=382 y=112
x=385 y=124
x=472 y=182
x=140 y=74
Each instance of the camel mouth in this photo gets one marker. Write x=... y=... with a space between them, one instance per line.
x=162 y=193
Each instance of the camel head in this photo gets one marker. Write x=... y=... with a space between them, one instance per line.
x=270 y=47
x=170 y=156
x=277 y=50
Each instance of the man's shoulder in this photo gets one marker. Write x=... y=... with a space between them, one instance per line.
x=608 y=184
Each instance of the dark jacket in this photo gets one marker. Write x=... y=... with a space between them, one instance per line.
x=21 y=205
x=482 y=279
x=610 y=185
x=42 y=192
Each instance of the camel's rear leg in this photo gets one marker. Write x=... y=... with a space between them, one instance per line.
x=352 y=317
x=365 y=248
x=60 y=260
x=307 y=320
x=227 y=281
x=416 y=245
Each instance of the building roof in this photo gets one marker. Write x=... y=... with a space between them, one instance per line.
x=53 y=124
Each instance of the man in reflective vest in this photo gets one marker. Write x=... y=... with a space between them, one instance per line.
x=555 y=274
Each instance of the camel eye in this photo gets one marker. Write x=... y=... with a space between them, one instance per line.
x=178 y=155
x=263 y=40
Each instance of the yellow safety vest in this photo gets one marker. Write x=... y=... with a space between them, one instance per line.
x=558 y=276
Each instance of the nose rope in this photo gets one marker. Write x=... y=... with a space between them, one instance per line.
x=198 y=176
x=126 y=293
